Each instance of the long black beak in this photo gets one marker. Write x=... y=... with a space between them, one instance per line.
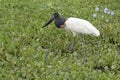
x=48 y=22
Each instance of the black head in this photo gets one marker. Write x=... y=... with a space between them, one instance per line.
x=56 y=15
x=58 y=20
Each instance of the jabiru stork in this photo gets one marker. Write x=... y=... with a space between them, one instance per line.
x=75 y=25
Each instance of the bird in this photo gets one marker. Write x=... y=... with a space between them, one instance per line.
x=75 y=25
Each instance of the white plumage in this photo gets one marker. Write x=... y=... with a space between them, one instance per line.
x=76 y=25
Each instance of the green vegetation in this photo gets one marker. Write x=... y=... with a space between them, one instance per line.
x=29 y=52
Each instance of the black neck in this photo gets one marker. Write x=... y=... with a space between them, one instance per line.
x=59 y=21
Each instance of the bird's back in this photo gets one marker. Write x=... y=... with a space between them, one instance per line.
x=77 y=25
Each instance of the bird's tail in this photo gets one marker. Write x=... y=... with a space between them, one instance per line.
x=96 y=33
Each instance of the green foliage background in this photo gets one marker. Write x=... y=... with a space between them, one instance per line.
x=29 y=52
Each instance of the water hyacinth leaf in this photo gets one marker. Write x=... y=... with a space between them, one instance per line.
x=28 y=52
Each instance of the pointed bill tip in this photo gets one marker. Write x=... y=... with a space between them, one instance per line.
x=43 y=26
x=48 y=22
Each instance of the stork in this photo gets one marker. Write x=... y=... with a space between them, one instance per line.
x=75 y=25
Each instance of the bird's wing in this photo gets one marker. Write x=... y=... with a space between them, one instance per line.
x=77 y=25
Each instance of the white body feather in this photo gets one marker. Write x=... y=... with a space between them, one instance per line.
x=76 y=25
